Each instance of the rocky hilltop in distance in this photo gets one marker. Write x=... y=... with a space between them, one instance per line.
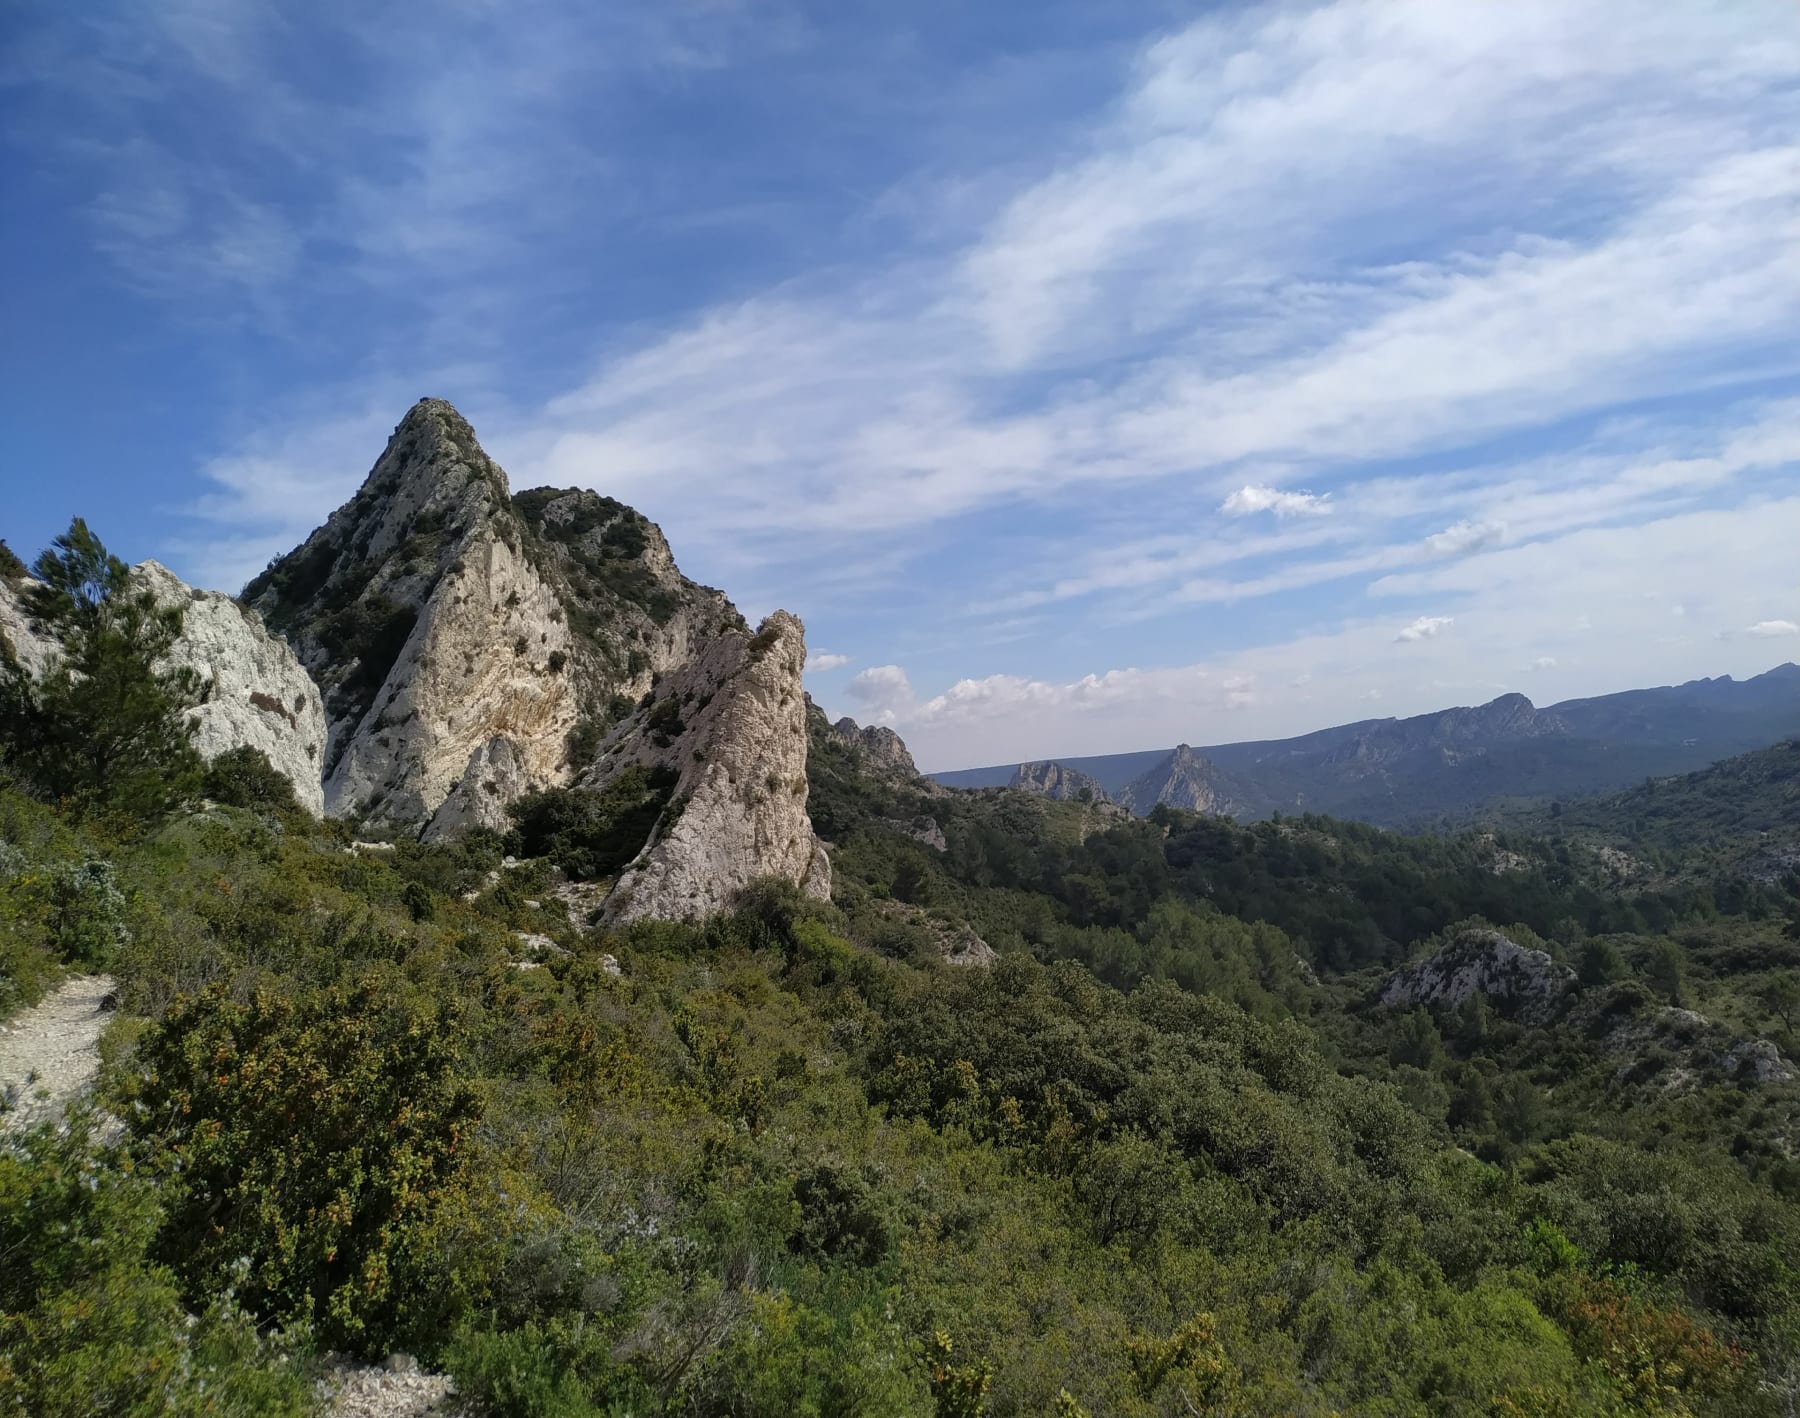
x=474 y=646
x=1059 y=783
x=1416 y=772
x=257 y=695
x=1186 y=780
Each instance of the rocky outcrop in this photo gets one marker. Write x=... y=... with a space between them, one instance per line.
x=258 y=694
x=1671 y=1049
x=879 y=751
x=1521 y=984
x=1063 y=784
x=730 y=729
x=20 y=640
x=472 y=645
x=1186 y=780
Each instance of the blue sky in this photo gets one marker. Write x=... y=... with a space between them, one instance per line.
x=1087 y=377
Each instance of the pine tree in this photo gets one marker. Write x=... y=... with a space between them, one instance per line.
x=103 y=727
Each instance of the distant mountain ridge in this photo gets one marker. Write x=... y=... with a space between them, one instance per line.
x=1415 y=771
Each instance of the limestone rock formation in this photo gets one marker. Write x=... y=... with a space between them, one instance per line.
x=471 y=644
x=729 y=729
x=879 y=750
x=1055 y=780
x=1186 y=780
x=1520 y=983
x=19 y=638
x=258 y=695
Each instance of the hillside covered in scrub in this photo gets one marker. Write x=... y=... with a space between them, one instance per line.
x=1046 y=1110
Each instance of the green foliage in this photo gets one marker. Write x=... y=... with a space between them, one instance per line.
x=101 y=728
x=12 y=570
x=244 y=777
x=1599 y=963
x=320 y=1136
x=592 y=834
x=838 y=1216
x=89 y=1324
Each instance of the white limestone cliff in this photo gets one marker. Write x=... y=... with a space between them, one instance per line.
x=732 y=726
x=462 y=635
x=259 y=697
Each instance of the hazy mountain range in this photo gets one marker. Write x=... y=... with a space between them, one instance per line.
x=1413 y=772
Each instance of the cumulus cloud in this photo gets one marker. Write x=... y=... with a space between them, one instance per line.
x=821 y=660
x=1543 y=662
x=1464 y=537
x=1770 y=629
x=1250 y=499
x=883 y=691
x=1424 y=628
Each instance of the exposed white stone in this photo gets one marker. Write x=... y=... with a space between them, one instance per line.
x=260 y=696
x=32 y=649
x=1520 y=982
x=739 y=805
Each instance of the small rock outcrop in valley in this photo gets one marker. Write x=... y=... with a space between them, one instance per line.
x=1186 y=780
x=472 y=645
x=1053 y=780
x=726 y=736
x=1522 y=984
x=257 y=695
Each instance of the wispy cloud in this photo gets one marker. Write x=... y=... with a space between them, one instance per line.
x=819 y=661
x=1771 y=629
x=1250 y=499
x=1476 y=281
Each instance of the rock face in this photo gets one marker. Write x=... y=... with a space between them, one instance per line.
x=19 y=638
x=1053 y=780
x=1520 y=983
x=258 y=695
x=731 y=729
x=473 y=645
x=879 y=750
x=1186 y=780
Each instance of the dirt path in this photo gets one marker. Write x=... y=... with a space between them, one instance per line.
x=51 y=1051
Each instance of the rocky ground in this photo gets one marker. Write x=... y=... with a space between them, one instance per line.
x=51 y=1052
x=396 y=1389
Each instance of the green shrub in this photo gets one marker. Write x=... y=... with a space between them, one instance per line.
x=591 y=834
x=89 y=1325
x=102 y=727
x=322 y=1137
x=244 y=777
x=838 y=1217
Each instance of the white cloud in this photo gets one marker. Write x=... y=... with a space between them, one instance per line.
x=821 y=660
x=1770 y=629
x=1464 y=537
x=1425 y=627
x=883 y=691
x=1543 y=662
x=1250 y=499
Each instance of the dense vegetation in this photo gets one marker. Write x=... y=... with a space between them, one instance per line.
x=1167 y=1155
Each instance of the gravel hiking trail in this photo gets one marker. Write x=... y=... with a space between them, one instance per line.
x=50 y=1052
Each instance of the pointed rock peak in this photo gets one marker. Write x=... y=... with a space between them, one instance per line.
x=435 y=441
